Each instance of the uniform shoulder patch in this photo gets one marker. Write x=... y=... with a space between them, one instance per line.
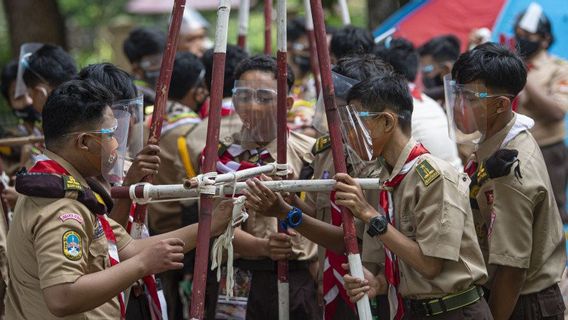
x=426 y=172
x=70 y=183
x=71 y=216
x=322 y=144
x=72 y=245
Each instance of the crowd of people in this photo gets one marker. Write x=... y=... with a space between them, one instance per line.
x=467 y=222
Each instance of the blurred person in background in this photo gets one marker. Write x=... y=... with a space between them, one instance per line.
x=545 y=96
x=437 y=56
x=193 y=33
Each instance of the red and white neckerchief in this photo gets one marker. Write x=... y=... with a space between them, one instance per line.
x=392 y=272
x=226 y=162
x=227 y=108
x=333 y=284
x=415 y=91
x=45 y=165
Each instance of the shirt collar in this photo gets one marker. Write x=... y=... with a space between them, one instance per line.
x=400 y=162
x=67 y=166
x=491 y=145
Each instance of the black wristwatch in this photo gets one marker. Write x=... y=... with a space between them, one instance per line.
x=377 y=226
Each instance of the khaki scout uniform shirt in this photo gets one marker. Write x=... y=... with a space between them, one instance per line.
x=3 y=257
x=551 y=74
x=166 y=216
x=517 y=223
x=434 y=211
x=299 y=147
x=38 y=259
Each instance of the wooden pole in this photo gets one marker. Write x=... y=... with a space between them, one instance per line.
x=314 y=65
x=328 y=92
x=162 y=88
x=244 y=9
x=268 y=27
x=18 y=141
x=282 y=145
x=214 y=121
x=345 y=18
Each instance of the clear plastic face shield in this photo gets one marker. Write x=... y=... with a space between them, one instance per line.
x=26 y=51
x=255 y=103
x=466 y=110
x=135 y=107
x=341 y=85
x=113 y=141
x=357 y=136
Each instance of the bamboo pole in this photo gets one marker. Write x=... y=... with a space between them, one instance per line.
x=18 y=141
x=188 y=190
x=268 y=27
x=328 y=93
x=345 y=17
x=314 y=65
x=282 y=139
x=244 y=10
x=206 y=203
x=162 y=88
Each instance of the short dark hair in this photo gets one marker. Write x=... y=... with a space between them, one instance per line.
x=351 y=40
x=49 y=63
x=295 y=28
x=116 y=80
x=442 y=48
x=9 y=75
x=361 y=67
x=400 y=53
x=185 y=74
x=74 y=105
x=385 y=91
x=495 y=65
x=264 y=63
x=234 y=55
x=143 y=42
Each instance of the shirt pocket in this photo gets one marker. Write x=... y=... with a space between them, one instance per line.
x=98 y=255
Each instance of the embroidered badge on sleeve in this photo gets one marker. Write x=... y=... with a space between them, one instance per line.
x=72 y=245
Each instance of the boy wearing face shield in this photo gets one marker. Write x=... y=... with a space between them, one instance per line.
x=545 y=96
x=259 y=243
x=517 y=221
x=69 y=259
x=433 y=263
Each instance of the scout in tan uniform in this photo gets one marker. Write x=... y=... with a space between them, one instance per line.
x=433 y=264
x=258 y=243
x=516 y=218
x=65 y=253
x=545 y=97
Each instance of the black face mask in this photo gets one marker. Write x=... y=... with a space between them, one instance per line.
x=303 y=62
x=28 y=114
x=433 y=82
x=527 y=48
x=151 y=78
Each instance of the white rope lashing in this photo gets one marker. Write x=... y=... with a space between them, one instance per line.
x=225 y=241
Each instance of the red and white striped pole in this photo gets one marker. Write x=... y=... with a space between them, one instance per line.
x=268 y=27
x=282 y=139
x=314 y=65
x=328 y=92
x=244 y=10
x=206 y=200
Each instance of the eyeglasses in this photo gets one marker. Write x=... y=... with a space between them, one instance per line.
x=428 y=68
x=107 y=133
x=263 y=96
x=471 y=95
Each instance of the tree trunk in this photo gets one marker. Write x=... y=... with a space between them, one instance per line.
x=34 y=21
x=380 y=10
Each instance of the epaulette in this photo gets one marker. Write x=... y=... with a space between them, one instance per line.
x=427 y=172
x=322 y=144
x=224 y=144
